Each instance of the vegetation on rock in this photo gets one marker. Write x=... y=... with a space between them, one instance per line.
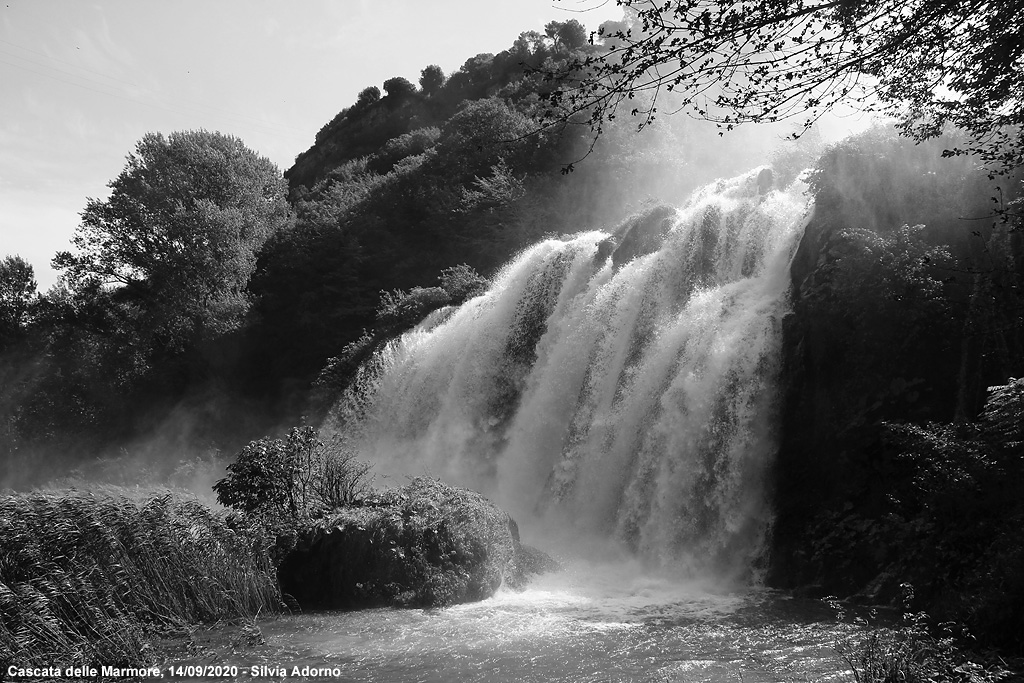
x=896 y=465
x=426 y=544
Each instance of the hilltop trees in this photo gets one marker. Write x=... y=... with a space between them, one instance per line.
x=431 y=79
x=368 y=96
x=399 y=87
x=569 y=35
x=929 y=62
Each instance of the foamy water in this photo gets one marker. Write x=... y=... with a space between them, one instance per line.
x=589 y=623
x=601 y=400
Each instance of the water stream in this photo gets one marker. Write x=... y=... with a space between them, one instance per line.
x=618 y=396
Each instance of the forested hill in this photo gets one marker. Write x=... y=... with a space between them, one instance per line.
x=403 y=185
x=400 y=186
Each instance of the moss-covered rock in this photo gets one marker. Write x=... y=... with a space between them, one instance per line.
x=426 y=544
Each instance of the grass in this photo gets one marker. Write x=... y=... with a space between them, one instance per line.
x=87 y=579
x=912 y=652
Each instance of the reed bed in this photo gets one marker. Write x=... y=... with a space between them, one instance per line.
x=86 y=578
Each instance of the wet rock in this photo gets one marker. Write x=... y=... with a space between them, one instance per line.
x=642 y=234
x=424 y=545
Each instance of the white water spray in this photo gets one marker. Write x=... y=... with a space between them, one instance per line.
x=631 y=401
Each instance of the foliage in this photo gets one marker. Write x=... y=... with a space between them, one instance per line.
x=85 y=579
x=881 y=290
x=401 y=309
x=399 y=87
x=480 y=135
x=950 y=524
x=930 y=62
x=1001 y=417
x=426 y=544
x=17 y=297
x=298 y=476
x=431 y=79
x=462 y=283
x=397 y=312
x=398 y=148
x=910 y=653
x=368 y=96
x=566 y=35
x=884 y=475
x=179 y=234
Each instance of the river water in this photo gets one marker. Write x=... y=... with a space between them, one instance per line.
x=587 y=623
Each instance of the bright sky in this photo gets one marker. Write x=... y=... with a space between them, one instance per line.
x=81 y=82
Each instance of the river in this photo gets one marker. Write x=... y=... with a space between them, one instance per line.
x=587 y=623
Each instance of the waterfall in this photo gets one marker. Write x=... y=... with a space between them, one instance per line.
x=619 y=387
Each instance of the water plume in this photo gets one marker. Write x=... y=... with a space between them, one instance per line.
x=609 y=387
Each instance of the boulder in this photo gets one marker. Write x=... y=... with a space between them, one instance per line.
x=640 y=235
x=427 y=544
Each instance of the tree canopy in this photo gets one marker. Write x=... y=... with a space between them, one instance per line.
x=929 y=62
x=179 y=233
x=431 y=79
x=399 y=87
x=17 y=293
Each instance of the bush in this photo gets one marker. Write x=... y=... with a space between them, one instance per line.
x=402 y=147
x=462 y=283
x=299 y=476
x=911 y=652
x=85 y=579
x=400 y=310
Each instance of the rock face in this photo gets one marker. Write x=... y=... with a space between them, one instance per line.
x=638 y=236
x=878 y=334
x=424 y=545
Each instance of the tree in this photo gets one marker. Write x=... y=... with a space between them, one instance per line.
x=567 y=35
x=480 y=135
x=431 y=79
x=398 y=87
x=368 y=96
x=295 y=476
x=930 y=62
x=176 y=241
x=17 y=295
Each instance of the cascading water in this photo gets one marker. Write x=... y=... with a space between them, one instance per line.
x=620 y=388
x=603 y=388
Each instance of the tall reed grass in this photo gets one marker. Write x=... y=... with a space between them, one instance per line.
x=85 y=578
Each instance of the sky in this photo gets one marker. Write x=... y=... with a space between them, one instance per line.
x=81 y=82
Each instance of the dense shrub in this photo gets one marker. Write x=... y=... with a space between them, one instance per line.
x=426 y=544
x=400 y=310
x=85 y=579
x=298 y=476
x=462 y=283
x=401 y=147
x=915 y=650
